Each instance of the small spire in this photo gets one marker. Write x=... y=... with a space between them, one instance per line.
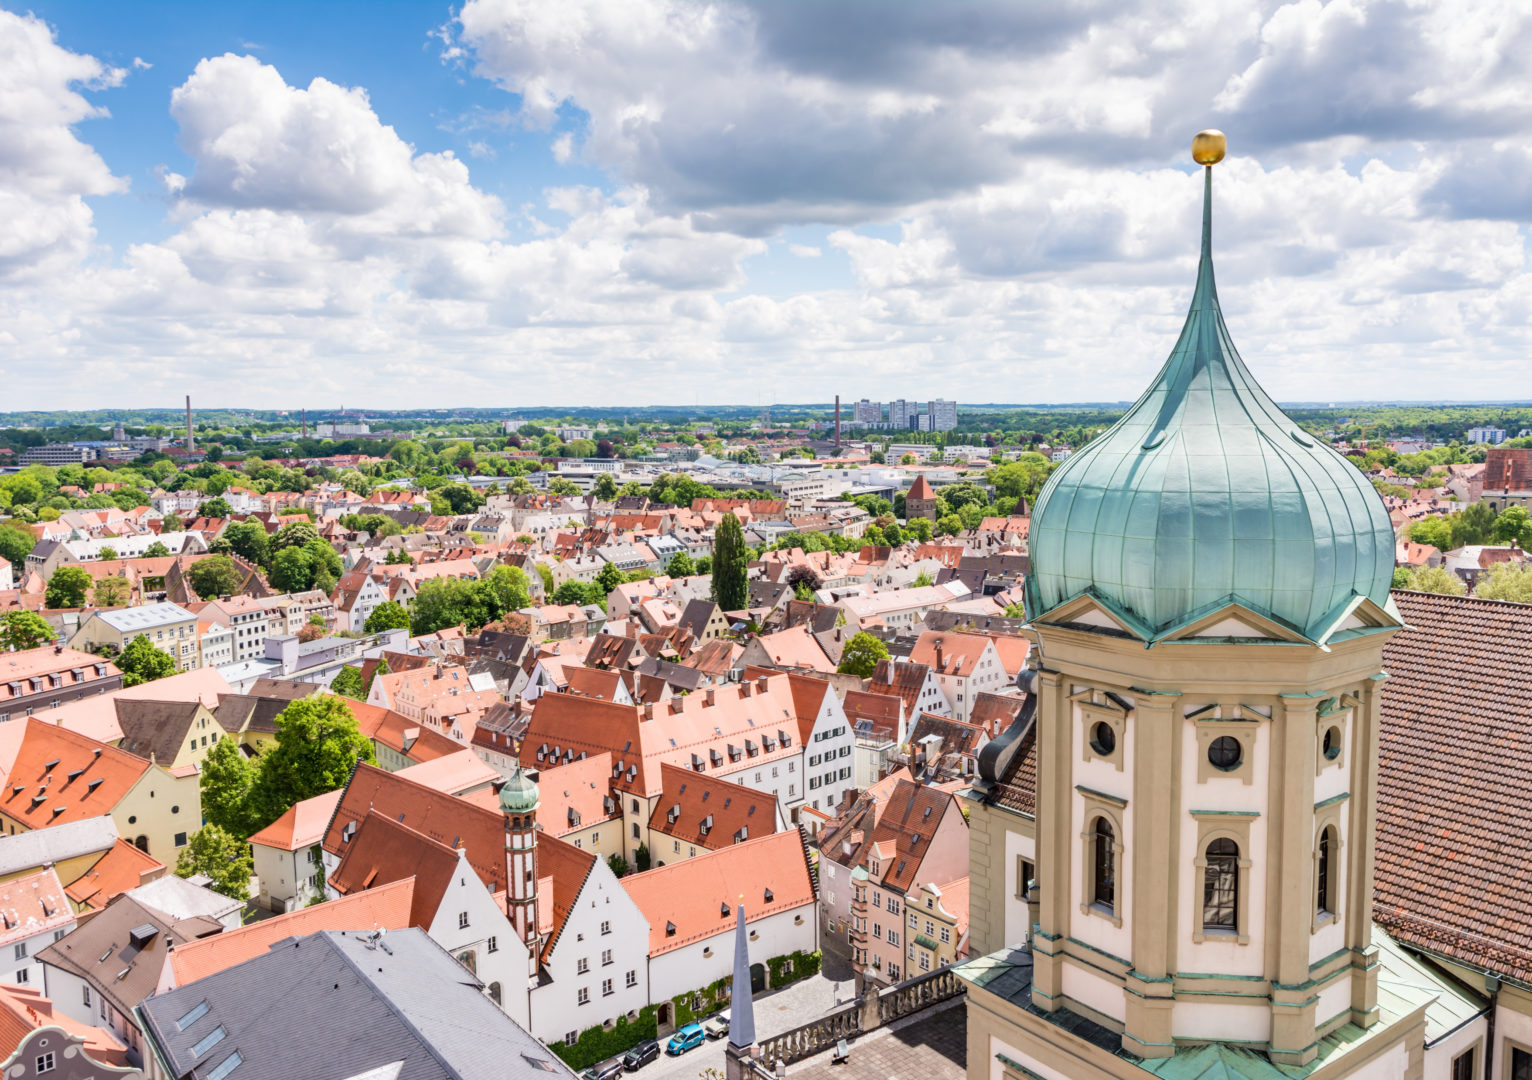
x=741 y=1007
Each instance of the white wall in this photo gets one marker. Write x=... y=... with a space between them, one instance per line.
x=11 y=967
x=555 y=1009
x=1015 y=928
x=702 y=962
x=835 y=753
x=788 y=783
x=508 y=964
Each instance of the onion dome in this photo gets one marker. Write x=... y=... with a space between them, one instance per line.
x=1206 y=494
x=519 y=794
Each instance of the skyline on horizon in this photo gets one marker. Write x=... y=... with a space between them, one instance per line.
x=610 y=202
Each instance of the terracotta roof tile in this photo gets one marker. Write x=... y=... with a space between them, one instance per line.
x=698 y=895
x=303 y=825
x=577 y=795
x=1453 y=870
x=122 y=868
x=384 y=851
x=60 y=776
x=386 y=906
x=709 y=811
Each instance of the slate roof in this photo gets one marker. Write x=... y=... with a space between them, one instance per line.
x=1453 y=871
x=335 y=1005
x=27 y=850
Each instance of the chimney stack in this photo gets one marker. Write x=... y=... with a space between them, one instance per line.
x=191 y=442
x=837 y=423
x=304 y=422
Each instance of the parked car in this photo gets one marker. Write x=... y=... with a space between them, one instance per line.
x=641 y=1055
x=688 y=1038
x=717 y=1025
x=606 y=1070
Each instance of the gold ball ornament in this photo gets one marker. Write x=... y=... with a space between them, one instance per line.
x=1208 y=147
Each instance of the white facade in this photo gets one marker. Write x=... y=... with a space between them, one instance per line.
x=829 y=769
x=471 y=926
x=18 y=956
x=702 y=962
x=988 y=676
x=600 y=963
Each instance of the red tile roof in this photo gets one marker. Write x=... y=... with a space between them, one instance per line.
x=566 y=868
x=18 y=669
x=444 y=818
x=576 y=796
x=709 y=811
x=385 y=851
x=698 y=896
x=33 y=904
x=23 y=1010
x=303 y=825
x=1453 y=872
x=384 y=907
x=122 y=868
x=55 y=777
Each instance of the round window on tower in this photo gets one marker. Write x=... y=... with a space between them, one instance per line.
x=1225 y=753
x=1103 y=739
x=1332 y=745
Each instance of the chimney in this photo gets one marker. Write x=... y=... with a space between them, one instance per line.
x=837 y=422
x=648 y=710
x=712 y=696
x=939 y=666
x=191 y=442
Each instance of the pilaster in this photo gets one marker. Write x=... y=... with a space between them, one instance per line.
x=1293 y=1002
x=1148 y=988
x=1054 y=848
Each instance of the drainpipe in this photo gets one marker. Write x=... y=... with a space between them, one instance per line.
x=1492 y=986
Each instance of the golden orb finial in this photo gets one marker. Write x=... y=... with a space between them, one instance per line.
x=1208 y=147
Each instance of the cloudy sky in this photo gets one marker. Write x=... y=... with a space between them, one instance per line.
x=512 y=202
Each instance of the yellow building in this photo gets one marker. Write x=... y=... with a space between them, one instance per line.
x=169 y=627
x=937 y=927
x=176 y=734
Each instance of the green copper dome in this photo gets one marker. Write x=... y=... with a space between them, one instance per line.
x=1204 y=494
x=519 y=794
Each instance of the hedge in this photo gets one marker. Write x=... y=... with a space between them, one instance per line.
x=804 y=965
x=599 y=1043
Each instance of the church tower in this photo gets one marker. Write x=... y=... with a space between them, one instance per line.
x=519 y=801
x=1210 y=599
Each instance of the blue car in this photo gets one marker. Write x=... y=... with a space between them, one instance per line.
x=687 y=1038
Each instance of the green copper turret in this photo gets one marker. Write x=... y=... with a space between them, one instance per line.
x=1205 y=493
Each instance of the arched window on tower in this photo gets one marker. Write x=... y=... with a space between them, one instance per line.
x=1103 y=864
x=1324 y=891
x=1220 y=886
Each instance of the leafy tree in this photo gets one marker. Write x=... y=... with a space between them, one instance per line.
x=607 y=579
x=504 y=589
x=803 y=591
x=213 y=577
x=861 y=655
x=1436 y=579
x=348 y=683
x=141 y=662
x=1506 y=581
x=157 y=550
x=560 y=486
x=24 y=630
x=576 y=592
x=1401 y=577
x=617 y=864
x=316 y=747
x=460 y=498
x=216 y=507
x=294 y=534
x=389 y=615
x=291 y=571
x=908 y=459
x=704 y=564
x=112 y=591
x=397 y=557
x=1435 y=531
x=920 y=529
x=1474 y=524
x=680 y=565
x=922 y=580
x=107 y=554
x=1015 y=611
x=221 y=856
x=172 y=523
x=250 y=541
x=16 y=543
x=68 y=588
x=226 y=779
x=606 y=487
x=730 y=565
x=1513 y=526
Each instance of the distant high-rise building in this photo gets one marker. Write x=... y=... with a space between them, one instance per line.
x=903 y=414
x=1491 y=435
x=867 y=412
x=943 y=415
x=118 y=432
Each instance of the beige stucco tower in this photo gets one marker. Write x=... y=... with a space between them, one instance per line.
x=1210 y=602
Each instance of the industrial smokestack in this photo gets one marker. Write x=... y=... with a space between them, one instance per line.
x=191 y=441
x=837 y=422
x=304 y=422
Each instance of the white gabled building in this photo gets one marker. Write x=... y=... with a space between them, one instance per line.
x=37 y=913
x=689 y=908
